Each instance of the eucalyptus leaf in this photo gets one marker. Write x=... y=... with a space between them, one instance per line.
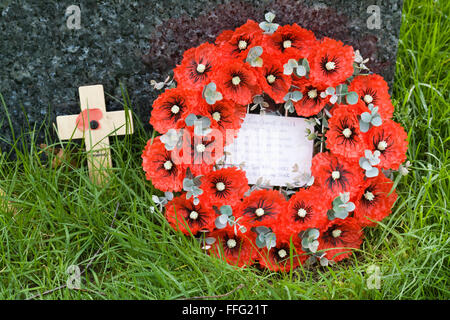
x=210 y=94
x=296 y=96
x=333 y=99
x=268 y=27
x=168 y=195
x=219 y=224
x=190 y=119
x=351 y=97
x=289 y=67
x=269 y=16
x=260 y=243
x=376 y=121
x=226 y=210
x=313 y=246
x=364 y=126
x=300 y=71
x=330 y=91
x=262 y=230
x=372 y=172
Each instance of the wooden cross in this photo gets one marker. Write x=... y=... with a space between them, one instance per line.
x=95 y=125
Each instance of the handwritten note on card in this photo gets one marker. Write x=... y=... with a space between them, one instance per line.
x=270 y=146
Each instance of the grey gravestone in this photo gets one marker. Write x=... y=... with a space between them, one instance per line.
x=45 y=55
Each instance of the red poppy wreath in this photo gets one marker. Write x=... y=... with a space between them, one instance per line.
x=275 y=68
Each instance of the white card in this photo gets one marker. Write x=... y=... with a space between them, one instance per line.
x=270 y=147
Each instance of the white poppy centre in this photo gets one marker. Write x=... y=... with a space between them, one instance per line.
x=369 y=196
x=242 y=45
x=271 y=78
x=259 y=212
x=312 y=94
x=193 y=215
x=216 y=116
x=201 y=68
x=200 y=148
x=347 y=132
x=287 y=44
x=231 y=243
x=301 y=213
x=336 y=233
x=168 y=165
x=175 y=109
x=282 y=253
x=220 y=186
x=330 y=65
x=382 y=145
x=236 y=80
x=368 y=98
x=335 y=175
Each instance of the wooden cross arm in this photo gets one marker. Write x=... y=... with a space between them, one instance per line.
x=112 y=124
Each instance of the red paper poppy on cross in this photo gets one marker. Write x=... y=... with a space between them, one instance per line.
x=89 y=119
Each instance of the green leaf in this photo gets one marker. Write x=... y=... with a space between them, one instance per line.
x=314 y=233
x=296 y=96
x=226 y=210
x=300 y=71
x=342 y=89
x=372 y=172
x=376 y=120
x=366 y=117
x=352 y=98
x=260 y=243
x=269 y=16
x=210 y=94
x=262 y=230
x=364 y=126
x=330 y=90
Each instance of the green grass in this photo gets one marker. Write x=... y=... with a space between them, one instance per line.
x=63 y=219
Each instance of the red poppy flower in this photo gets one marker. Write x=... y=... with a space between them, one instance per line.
x=184 y=215
x=290 y=42
x=344 y=137
x=160 y=168
x=225 y=36
x=262 y=207
x=339 y=237
x=374 y=201
x=357 y=108
x=199 y=153
x=390 y=140
x=311 y=103
x=225 y=115
x=331 y=64
x=372 y=89
x=272 y=79
x=224 y=186
x=89 y=119
x=238 y=250
x=237 y=81
x=170 y=109
x=243 y=38
x=197 y=67
x=279 y=257
x=335 y=174
x=306 y=209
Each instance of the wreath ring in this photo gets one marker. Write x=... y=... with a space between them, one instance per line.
x=282 y=70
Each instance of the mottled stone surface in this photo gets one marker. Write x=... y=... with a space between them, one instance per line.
x=43 y=62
